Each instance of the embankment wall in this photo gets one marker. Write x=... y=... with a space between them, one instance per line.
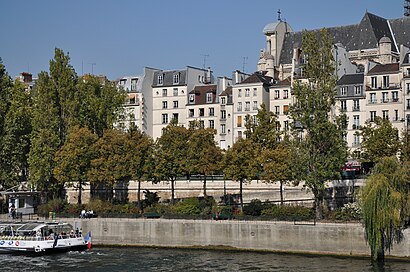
x=322 y=238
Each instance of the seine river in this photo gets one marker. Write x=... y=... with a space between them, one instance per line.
x=153 y=259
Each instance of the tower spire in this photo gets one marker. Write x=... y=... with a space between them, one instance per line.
x=279 y=13
x=407 y=8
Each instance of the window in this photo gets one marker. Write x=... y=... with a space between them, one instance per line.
x=385 y=114
x=134 y=84
x=239 y=121
x=396 y=115
x=277 y=125
x=386 y=83
x=343 y=91
x=385 y=98
x=211 y=124
x=372 y=116
x=176 y=78
x=255 y=92
x=255 y=105
x=286 y=125
x=175 y=104
x=374 y=82
x=247 y=106
x=395 y=96
x=191 y=98
x=223 y=100
x=223 y=114
x=165 y=118
x=356 y=105
x=247 y=92
x=164 y=104
x=211 y=111
x=277 y=110
x=239 y=93
x=285 y=109
x=372 y=98
x=277 y=94
x=22 y=203
x=356 y=140
x=358 y=90
x=201 y=124
x=160 y=79
x=408 y=104
x=164 y=92
x=408 y=87
x=343 y=105
x=175 y=117
x=239 y=134
x=285 y=94
x=208 y=97
x=201 y=112
x=255 y=120
x=223 y=129
x=239 y=108
x=175 y=91
x=356 y=122
x=191 y=113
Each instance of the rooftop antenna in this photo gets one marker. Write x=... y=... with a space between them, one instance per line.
x=204 y=66
x=407 y=8
x=244 y=64
x=92 y=67
x=279 y=13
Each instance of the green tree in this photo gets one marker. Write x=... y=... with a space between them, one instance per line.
x=385 y=205
x=379 y=139
x=203 y=156
x=170 y=155
x=277 y=166
x=141 y=149
x=241 y=164
x=113 y=162
x=98 y=104
x=323 y=149
x=45 y=140
x=15 y=144
x=73 y=159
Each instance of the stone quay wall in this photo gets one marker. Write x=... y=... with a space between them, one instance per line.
x=273 y=236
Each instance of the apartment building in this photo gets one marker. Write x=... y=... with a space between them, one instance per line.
x=203 y=106
x=170 y=94
x=132 y=115
x=280 y=99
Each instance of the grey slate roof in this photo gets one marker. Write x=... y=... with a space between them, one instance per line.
x=168 y=78
x=401 y=30
x=351 y=79
x=364 y=35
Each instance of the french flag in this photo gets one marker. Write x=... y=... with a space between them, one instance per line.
x=88 y=239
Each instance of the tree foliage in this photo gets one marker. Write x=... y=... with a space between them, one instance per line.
x=322 y=147
x=170 y=155
x=385 y=205
x=203 y=156
x=73 y=159
x=379 y=139
x=241 y=164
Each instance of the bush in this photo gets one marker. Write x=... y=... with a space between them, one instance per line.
x=255 y=207
x=349 y=212
x=194 y=206
x=55 y=205
x=285 y=212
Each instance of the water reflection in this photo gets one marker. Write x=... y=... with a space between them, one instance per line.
x=154 y=259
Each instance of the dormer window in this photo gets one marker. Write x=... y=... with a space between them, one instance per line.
x=343 y=91
x=160 y=79
x=208 y=97
x=176 y=78
x=191 y=98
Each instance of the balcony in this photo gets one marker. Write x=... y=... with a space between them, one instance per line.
x=372 y=101
x=384 y=100
x=356 y=109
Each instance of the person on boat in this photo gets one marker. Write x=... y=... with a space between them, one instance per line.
x=13 y=211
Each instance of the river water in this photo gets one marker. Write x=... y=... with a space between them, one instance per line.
x=154 y=259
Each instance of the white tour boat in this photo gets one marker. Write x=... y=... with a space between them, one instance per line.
x=41 y=237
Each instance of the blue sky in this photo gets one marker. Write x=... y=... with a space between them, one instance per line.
x=121 y=37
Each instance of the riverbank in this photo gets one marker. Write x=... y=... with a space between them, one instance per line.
x=335 y=239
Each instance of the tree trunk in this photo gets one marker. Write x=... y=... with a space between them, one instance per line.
x=319 y=207
x=172 y=192
x=139 y=196
x=205 y=186
x=281 y=193
x=240 y=193
x=80 y=190
x=378 y=253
